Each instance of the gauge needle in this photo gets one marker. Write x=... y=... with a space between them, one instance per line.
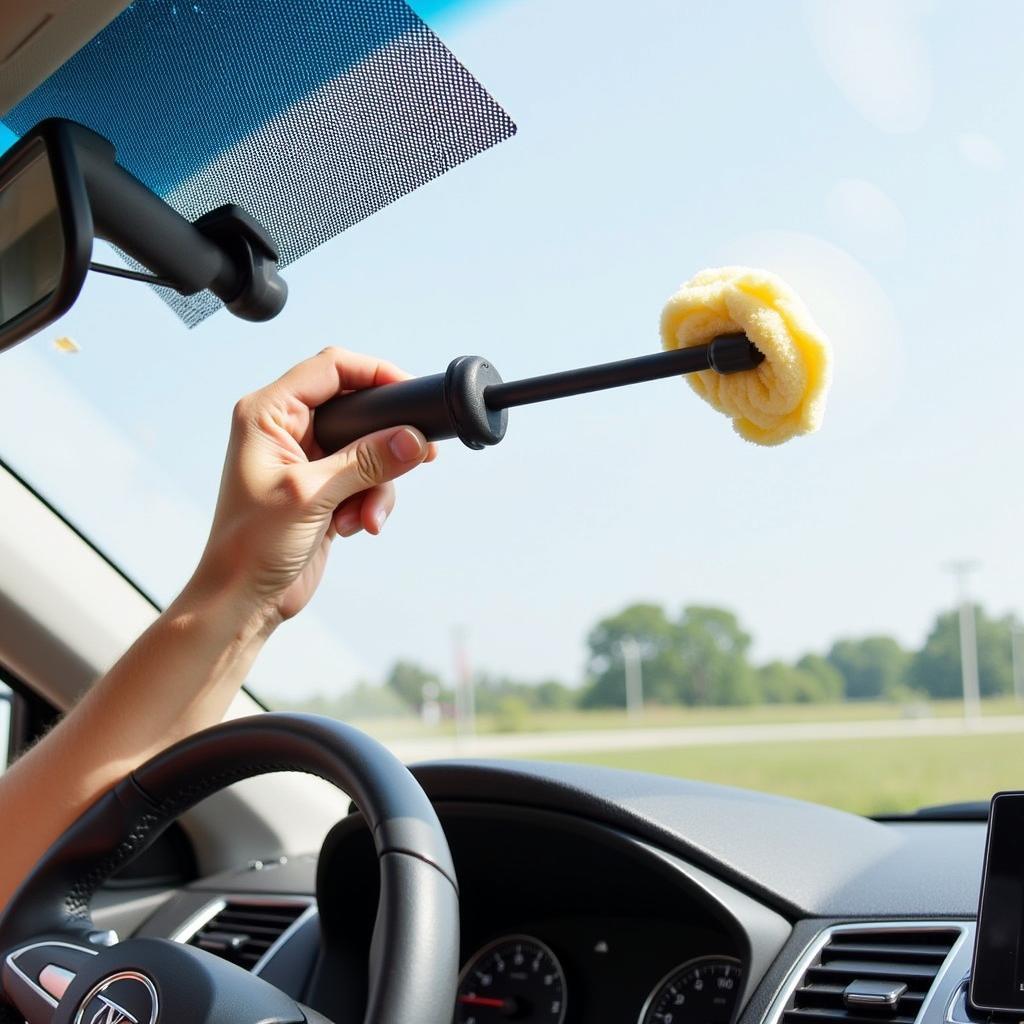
x=498 y=1004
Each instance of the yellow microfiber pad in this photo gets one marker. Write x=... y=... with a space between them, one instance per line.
x=785 y=395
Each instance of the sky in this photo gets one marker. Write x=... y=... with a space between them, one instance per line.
x=869 y=151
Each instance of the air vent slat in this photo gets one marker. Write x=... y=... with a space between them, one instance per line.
x=832 y=996
x=902 y=952
x=935 y=937
x=254 y=930
x=873 y=969
x=240 y=921
x=241 y=933
x=909 y=958
x=831 y=1016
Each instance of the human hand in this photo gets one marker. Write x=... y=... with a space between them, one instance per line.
x=282 y=500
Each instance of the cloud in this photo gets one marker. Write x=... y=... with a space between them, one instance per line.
x=866 y=218
x=875 y=53
x=853 y=310
x=981 y=150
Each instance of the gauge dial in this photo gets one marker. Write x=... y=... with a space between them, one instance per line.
x=702 y=991
x=514 y=978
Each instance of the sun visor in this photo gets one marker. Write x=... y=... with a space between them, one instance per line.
x=310 y=114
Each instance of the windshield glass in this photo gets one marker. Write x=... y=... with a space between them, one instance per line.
x=623 y=580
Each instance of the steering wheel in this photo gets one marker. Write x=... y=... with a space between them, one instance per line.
x=55 y=972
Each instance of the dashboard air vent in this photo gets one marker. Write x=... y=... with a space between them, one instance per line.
x=870 y=976
x=242 y=932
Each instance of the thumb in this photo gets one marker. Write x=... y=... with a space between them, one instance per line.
x=372 y=460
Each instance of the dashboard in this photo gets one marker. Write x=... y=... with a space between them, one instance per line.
x=604 y=897
x=563 y=921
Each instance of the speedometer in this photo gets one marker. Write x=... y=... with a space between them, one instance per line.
x=513 y=978
x=700 y=991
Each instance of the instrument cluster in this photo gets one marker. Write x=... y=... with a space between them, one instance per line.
x=563 y=921
x=520 y=977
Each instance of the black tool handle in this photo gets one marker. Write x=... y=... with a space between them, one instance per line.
x=443 y=405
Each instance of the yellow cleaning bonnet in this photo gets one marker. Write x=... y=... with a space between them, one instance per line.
x=785 y=395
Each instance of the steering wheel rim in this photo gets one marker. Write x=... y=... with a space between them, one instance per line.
x=415 y=947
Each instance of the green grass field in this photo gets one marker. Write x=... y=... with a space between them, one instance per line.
x=661 y=717
x=866 y=776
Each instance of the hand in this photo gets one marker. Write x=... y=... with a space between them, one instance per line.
x=282 y=501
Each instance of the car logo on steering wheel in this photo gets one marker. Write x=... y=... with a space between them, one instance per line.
x=111 y=1013
x=127 y=997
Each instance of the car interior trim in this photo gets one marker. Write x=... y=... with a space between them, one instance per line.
x=817 y=944
x=957 y=1011
x=206 y=914
x=198 y=920
x=12 y=963
x=285 y=936
x=56 y=979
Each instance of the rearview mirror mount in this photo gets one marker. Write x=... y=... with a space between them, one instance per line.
x=61 y=187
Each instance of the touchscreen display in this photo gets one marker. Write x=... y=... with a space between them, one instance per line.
x=997 y=977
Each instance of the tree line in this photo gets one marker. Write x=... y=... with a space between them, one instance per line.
x=701 y=657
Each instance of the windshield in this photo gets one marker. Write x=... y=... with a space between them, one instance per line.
x=624 y=581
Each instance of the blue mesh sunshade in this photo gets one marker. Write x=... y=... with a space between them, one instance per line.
x=310 y=114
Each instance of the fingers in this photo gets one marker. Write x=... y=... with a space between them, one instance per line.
x=291 y=399
x=367 y=511
x=348 y=517
x=368 y=463
x=315 y=380
x=377 y=505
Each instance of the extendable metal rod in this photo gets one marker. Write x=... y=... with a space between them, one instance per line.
x=728 y=353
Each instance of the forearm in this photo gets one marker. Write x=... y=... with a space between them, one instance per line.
x=281 y=503
x=178 y=677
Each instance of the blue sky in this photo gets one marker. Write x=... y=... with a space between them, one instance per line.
x=868 y=151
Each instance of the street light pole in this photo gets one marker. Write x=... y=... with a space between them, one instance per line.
x=961 y=570
x=633 y=665
x=1017 y=651
x=465 y=694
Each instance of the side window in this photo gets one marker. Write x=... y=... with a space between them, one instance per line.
x=24 y=717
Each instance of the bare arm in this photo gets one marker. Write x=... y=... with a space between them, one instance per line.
x=281 y=504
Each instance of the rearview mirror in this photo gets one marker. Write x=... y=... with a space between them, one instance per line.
x=45 y=237
x=61 y=187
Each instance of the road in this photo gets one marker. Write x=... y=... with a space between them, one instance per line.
x=541 y=744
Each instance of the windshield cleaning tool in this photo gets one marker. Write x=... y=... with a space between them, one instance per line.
x=471 y=402
x=61 y=187
x=786 y=397
x=747 y=342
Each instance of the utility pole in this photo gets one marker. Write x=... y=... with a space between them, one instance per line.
x=465 y=695
x=960 y=571
x=1017 y=651
x=632 y=662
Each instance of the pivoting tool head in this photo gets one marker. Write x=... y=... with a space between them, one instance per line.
x=465 y=385
x=733 y=353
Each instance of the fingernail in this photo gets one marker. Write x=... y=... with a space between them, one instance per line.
x=406 y=445
x=348 y=525
x=380 y=518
